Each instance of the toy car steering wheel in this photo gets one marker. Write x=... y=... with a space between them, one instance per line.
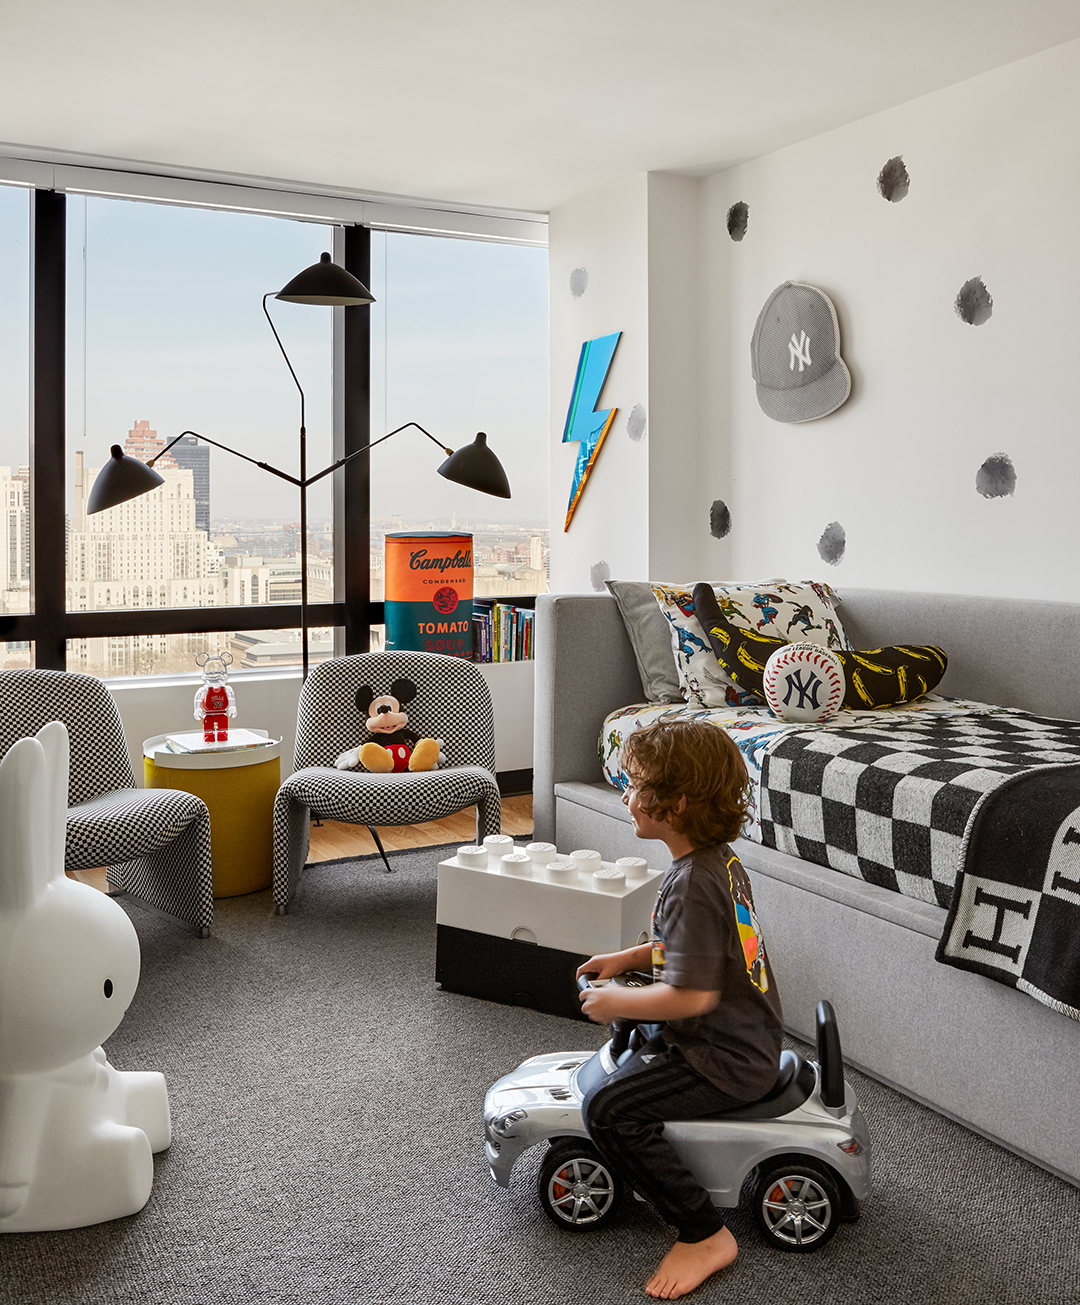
x=621 y=1030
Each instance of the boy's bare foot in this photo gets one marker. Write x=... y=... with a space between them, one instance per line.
x=688 y=1264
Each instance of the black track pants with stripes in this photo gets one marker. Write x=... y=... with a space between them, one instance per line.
x=625 y=1117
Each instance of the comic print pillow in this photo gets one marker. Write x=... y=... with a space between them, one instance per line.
x=804 y=610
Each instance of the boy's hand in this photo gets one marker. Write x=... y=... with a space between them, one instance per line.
x=603 y=967
x=608 y=964
x=602 y=1005
x=660 y=1002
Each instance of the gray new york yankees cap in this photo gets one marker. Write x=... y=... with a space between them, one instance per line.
x=795 y=355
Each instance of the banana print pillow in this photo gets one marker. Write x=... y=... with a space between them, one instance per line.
x=874 y=677
x=804 y=610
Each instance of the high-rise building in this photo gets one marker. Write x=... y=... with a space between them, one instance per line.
x=146 y=552
x=23 y=476
x=247 y=580
x=14 y=540
x=143 y=443
x=189 y=453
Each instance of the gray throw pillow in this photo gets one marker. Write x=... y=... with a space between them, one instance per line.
x=650 y=637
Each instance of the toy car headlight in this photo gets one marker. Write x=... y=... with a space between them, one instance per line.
x=504 y=1124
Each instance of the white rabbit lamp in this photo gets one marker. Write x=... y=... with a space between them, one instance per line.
x=76 y=1135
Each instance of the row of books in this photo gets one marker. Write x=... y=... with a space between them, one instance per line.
x=502 y=633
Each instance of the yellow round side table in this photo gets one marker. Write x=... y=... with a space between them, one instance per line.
x=239 y=790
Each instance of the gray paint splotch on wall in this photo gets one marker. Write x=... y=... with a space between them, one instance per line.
x=996 y=478
x=579 y=282
x=635 y=423
x=737 y=217
x=832 y=544
x=973 y=304
x=893 y=180
x=598 y=573
x=719 y=519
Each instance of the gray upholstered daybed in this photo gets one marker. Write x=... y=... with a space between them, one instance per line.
x=976 y=1050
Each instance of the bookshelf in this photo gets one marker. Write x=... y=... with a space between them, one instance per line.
x=503 y=629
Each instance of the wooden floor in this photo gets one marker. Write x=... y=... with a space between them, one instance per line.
x=332 y=839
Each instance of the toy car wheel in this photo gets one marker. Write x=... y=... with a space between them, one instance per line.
x=797 y=1206
x=577 y=1189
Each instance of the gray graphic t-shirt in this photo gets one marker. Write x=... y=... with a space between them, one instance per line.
x=705 y=935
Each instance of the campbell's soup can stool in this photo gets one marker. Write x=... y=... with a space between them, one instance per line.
x=429 y=592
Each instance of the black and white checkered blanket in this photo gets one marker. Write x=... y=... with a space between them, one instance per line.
x=975 y=813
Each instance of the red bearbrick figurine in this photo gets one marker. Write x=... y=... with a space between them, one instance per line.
x=215 y=701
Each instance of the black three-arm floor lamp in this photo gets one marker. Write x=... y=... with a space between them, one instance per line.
x=475 y=466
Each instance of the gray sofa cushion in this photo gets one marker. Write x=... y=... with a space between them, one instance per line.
x=650 y=637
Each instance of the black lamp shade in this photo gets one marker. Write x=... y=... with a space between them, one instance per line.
x=326 y=283
x=477 y=467
x=121 y=478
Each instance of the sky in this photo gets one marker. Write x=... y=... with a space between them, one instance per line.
x=14 y=325
x=165 y=324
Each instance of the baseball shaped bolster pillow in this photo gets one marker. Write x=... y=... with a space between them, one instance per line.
x=803 y=682
x=873 y=677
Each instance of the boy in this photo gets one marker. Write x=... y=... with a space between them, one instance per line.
x=721 y=1037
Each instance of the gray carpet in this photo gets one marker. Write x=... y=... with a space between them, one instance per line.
x=327 y=1145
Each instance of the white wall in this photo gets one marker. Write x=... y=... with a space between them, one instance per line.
x=511 y=685
x=675 y=356
x=606 y=233
x=638 y=241
x=267 y=700
x=995 y=192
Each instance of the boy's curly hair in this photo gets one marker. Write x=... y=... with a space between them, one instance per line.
x=677 y=758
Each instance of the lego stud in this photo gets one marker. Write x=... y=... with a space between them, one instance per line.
x=609 y=879
x=517 y=863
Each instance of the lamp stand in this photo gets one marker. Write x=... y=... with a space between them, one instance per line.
x=303 y=491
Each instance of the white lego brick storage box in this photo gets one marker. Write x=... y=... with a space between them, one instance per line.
x=513 y=924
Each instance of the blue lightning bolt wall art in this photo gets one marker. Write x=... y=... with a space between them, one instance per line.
x=583 y=422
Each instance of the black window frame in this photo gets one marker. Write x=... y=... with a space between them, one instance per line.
x=49 y=626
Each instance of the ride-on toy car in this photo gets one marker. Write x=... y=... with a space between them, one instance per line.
x=806 y=1141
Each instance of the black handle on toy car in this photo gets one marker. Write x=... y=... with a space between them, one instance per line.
x=830 y=1057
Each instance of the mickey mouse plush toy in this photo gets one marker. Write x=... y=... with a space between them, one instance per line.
x=398 y=749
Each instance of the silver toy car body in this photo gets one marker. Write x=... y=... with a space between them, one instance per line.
x=807 y=1140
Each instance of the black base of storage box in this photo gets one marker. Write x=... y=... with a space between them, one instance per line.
x=505 y=970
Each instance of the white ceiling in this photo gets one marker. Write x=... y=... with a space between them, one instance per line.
x=480 y=102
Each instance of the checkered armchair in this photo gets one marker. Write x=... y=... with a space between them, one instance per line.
x=155 y=843
x=452 y=703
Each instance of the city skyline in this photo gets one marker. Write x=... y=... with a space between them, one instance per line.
x=150 y=552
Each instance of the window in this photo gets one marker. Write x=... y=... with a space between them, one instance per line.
x=15 y=508
x=147 y=322
x=166 y=333
x=460 y=344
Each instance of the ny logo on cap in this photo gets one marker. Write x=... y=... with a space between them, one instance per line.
x=793 y=315
x=799 y=350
